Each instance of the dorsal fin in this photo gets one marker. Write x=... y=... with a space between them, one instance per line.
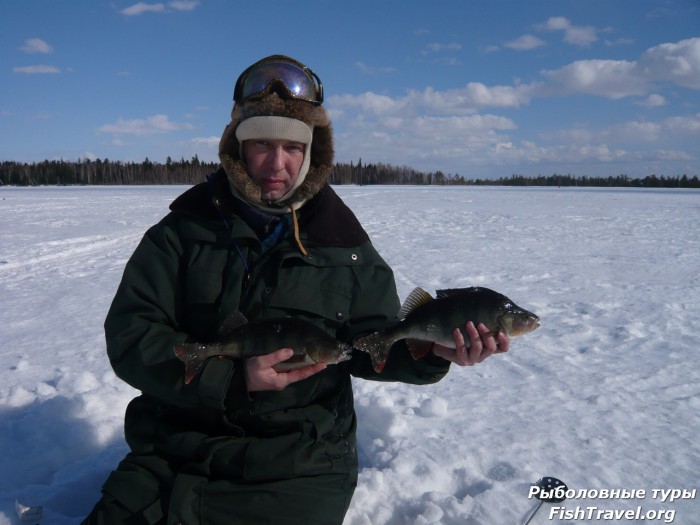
x=415 y=299
x=451 y=292
x=232 y=322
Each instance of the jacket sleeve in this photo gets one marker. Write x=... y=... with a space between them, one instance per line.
x=376 y=305
x=144 y=324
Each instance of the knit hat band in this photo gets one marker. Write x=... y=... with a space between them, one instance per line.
x=274 y=128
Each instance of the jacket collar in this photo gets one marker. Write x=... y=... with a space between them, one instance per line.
x=325 y=220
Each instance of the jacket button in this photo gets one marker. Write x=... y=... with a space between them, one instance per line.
x=354 y=256
x=339 y=316
x=268 y=290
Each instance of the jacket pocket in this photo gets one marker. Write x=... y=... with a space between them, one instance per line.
x=284 y=457
x=315 y=293
x=306 y=452
x=202 y=297
x=202 y=287
x=257 y=459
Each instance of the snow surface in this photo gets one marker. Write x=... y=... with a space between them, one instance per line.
x=605 y=395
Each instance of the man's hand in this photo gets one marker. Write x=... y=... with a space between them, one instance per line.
x=482 y=344
x=260 y=375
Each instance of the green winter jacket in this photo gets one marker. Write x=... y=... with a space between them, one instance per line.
x=190 y=271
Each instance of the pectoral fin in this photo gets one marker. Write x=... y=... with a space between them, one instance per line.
x=419 y=348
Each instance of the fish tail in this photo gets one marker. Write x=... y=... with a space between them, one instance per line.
x=191 y=355
x=377 y=346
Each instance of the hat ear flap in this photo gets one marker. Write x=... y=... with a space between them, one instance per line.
x=322 y=146
x=229 y=145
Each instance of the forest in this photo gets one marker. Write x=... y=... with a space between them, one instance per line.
x=108 y=172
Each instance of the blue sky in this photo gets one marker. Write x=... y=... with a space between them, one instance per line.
x=475 y=88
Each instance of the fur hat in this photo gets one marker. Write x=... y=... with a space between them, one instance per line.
x=319 y=152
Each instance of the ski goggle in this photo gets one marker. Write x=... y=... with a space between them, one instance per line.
x=281 y=74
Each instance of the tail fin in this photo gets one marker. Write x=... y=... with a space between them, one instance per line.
x=377 y=346
x=191 y=355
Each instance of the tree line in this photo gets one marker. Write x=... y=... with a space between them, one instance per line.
x=107 y=172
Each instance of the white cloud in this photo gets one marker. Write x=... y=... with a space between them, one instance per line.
x=36 y=45
x=664 y=154
x=480 y=95
x=157 y=124
x=460 y=129
x=685 y=125
x=429 y=126
x=183 y=5
x=425 y=142
x=674 y=62
x=38 y=69
x=678 y=62
x=370 y=70
x=369 y=103
x=557 y=23
x=176 y=5
x=653 y=101
x=575 y=135
x=210 y=141
x=634 y=137
x=608 y=78
x=582 y=36
x=438 y=48
x=419 y=125
x=525 y=43
x=636 y=131
x=600 y=152
x=141 y=7
x=632 y=132
x=459 y=101
x=490 y=49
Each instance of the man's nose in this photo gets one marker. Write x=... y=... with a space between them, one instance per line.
x=278 y=158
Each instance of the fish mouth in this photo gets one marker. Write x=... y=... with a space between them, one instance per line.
x=533 y=322
x=524 y=324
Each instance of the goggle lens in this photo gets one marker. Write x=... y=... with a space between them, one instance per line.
x=300 y=81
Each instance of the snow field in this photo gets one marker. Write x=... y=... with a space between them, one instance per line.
x=604 y=395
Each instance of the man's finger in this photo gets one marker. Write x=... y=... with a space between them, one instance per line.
x=270 y=360
x=303 y=373
x=461 y=347
x=474 y=336
x=488 y=340
x=503 y=342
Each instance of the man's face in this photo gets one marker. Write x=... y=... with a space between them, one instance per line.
x=273 y=165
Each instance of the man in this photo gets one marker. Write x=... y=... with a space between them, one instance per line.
x=268 y=237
